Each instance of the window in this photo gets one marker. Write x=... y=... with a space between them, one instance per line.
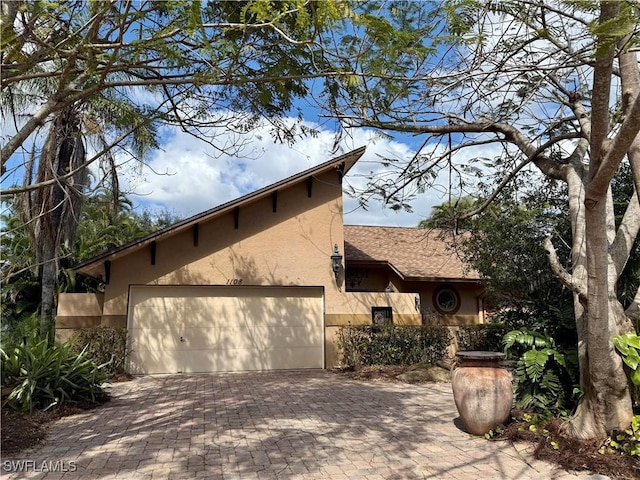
x=446 y=300
x=381 y=315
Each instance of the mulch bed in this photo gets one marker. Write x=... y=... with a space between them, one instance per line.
x=22 y=430
x=569 y=453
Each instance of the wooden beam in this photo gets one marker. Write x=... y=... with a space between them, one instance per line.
x=341 y=168
x=153 y=252
x=236 y=218
x=309 y=186
x=107 y=272
x=196 y=234
x=274 y=199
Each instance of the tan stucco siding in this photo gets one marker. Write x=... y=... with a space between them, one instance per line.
x=470 y=311
x=77 y=310
x=289 y=247
x=377 y=278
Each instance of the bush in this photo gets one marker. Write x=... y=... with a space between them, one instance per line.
x=486 y=336
x=545 y=376
x=628 y=347
x=105 y=345
x=42 y=376
x=392 y=344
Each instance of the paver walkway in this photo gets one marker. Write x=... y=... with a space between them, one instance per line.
x=303 y=425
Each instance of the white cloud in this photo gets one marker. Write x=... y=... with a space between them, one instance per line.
x=186 y=177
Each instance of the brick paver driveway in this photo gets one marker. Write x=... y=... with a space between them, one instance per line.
x=306 y=425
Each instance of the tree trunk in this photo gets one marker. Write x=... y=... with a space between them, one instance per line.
x=48 y=280
x=606 y=404
x=53 y=213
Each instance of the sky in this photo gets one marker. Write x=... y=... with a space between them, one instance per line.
x=186 y=176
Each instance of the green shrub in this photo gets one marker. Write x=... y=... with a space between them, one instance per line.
x=392 y=344
x=28 y=326
x=105 y=345
x=628 y=346
x=44 y=376
x=486 y=336
x=545 y=377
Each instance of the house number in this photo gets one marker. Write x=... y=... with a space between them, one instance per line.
x=234 y=281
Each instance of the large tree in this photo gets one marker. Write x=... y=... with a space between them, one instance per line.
x=555 y=85
x=117 y=70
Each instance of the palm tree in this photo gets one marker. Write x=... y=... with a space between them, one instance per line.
x=52 y=211
x=447 y=215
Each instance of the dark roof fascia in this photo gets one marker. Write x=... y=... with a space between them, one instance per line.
x=406 y=278
x=377 y=263
x=348 y=160
x=444 y=279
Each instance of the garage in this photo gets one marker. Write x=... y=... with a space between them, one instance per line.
x=193 y=329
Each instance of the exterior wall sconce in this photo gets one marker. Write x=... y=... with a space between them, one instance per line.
x=336 y=261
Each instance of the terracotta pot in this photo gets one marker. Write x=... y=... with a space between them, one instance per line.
x=482 y=390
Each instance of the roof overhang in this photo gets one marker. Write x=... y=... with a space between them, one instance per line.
x=96 y=267
x=410 y=278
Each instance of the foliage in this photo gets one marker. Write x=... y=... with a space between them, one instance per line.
x=104 y=345
x=20 y=286
x=108 y=223
x=628 y=345
x=392 y=344
x=531 y=89
x=24 y=328
x=626 y=442
x=43 y=377
x=447 y=215
x=104 y=224
x=486 y=336
x=545 y=377
x=505 y=244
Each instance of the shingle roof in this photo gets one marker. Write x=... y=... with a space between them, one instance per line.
x=415 y=253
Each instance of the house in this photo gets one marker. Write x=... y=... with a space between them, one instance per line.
x=266 y=281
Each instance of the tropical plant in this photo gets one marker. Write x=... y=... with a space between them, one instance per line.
x=485 y=336
x=545 y=378
x=41 y=376
x=108 y=223
x=628 y=346
x=447 y=215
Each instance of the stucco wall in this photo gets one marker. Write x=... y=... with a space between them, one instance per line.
x=77 y=310
x=372 y=278
x=289 y=247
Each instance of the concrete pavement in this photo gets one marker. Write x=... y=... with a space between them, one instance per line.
x=277 y=425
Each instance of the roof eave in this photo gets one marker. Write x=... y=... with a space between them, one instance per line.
x=92 y=267
x=412 y=278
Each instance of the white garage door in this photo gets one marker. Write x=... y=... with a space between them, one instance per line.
x=222 y=329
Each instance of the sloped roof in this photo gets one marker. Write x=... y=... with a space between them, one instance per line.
x=94 y=267
x=414 y=253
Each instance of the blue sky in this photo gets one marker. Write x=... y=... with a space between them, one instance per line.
x=186 y=177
